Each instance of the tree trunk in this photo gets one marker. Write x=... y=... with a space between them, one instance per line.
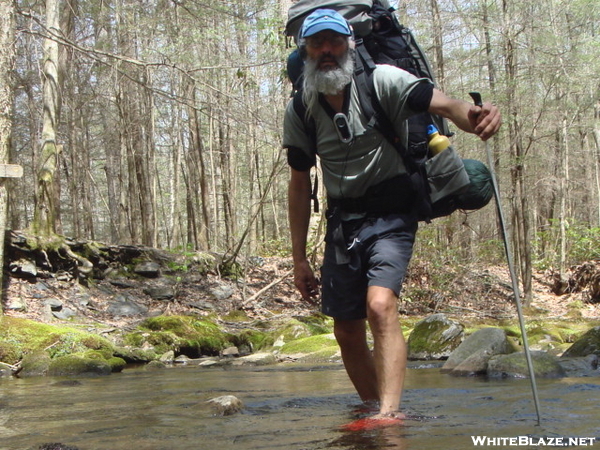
x=438 y=44
x=7 y=56
x=197 y=167
x=47 y=206
x=596 y=135
x=519 y=203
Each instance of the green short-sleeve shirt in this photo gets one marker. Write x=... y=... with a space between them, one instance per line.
x=349 y=169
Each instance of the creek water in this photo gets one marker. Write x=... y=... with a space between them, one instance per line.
x=288 y=407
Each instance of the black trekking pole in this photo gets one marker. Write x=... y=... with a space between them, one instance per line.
x=515 y=283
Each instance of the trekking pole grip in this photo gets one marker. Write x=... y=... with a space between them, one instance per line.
x=476 y=96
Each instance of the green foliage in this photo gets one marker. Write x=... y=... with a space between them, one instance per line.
x=583 y=244
x=276 y=247
x=231 y=269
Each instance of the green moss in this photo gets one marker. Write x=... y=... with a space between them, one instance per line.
x=20 y=336
x=310 y=344
x=182 y=334
x=431 y=336
x=236 y=316
x=290 y=330
x=35 y=364
x=135 y=355
x=47 y=243
x=233 y=270
x=255 y=340
x=116 y=364
x=317 y=323
x=77 y=365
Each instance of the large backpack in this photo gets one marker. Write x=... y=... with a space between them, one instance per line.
x=445 y=182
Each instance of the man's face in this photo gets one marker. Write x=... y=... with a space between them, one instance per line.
x=327 y=48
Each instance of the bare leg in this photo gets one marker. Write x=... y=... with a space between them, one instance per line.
x=390 y=348
x=351 y=336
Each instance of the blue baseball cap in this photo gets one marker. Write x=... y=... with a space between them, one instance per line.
x=324 y=19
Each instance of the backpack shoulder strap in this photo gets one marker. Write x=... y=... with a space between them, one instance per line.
x=308 y=121
x=310 y=128
x=369 y=102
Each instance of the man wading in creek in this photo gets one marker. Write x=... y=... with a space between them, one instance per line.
x=367 y=251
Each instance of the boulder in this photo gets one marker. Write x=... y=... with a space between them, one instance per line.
x=64 y=314
x=76 y=365
x=148 y=269
x=226 y=405
x=155 y=365
x=472 y=355
x=514 y=365
x=588 y=344
x=35 y=364
x=230 y=352
x=256 y=359
x=160 y=292
x=126 y=307
x=221 y=292
x=434 y=337
x=167 y=357
x=585 y=366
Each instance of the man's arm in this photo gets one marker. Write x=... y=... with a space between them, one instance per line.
x=299 y=218
x=484 y=121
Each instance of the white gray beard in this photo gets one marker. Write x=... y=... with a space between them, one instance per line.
x=328 y=82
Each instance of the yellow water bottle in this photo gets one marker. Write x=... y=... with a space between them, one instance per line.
x=437 y=141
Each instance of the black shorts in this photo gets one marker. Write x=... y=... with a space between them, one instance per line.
x=379 y=253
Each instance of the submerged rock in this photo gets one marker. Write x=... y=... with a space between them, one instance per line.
x=434 y=338
x=226 y=405
x=515 y=366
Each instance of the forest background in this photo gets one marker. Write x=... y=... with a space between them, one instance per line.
x=158 y=122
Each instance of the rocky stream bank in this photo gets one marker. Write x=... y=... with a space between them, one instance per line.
x=85 y=308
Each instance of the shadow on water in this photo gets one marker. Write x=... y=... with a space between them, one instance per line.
x=286 y=407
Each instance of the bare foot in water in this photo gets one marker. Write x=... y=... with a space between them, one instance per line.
x=376 y=421
x=394 y=415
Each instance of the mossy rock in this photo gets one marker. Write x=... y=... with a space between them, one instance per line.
x=434 y=337
x=205 y=262
x=253 y=340
x=35 y=364
x=236 y=316
x=135 y=355
x=317 y=323
x=76 y=365
x=588 y=344
x=515 y=365
x=186 y=335
x=290 y=330
x=20 y=336
x=155 y=365
x=311 y=344
x=116 y=364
